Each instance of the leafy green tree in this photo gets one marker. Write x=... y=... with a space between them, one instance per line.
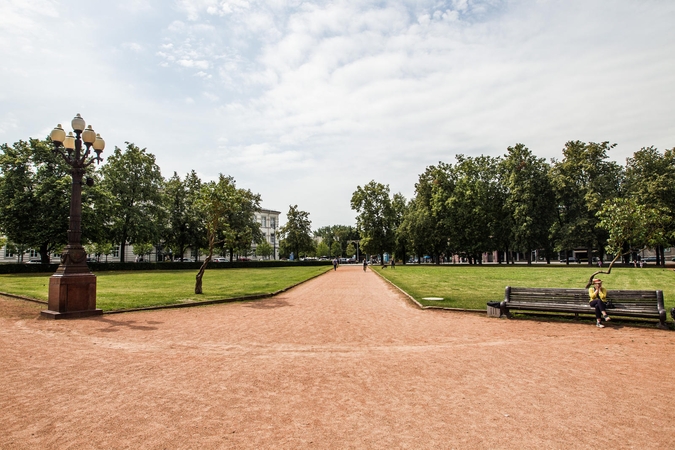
x=297 y=232
x=35 y=193
x=530 y=201
x=423 y=225
x=631 y=226
x=650 y=180
x=243 y=228
x=135 y=183
x=469 y=202
x=185 y=227
x=143 y=249
x=582 y=181
x=336 y=249
x=351 y=250
x=214 y=205
x=337 y=233
x=264 y=249
x=376 y=218
x=322 y=250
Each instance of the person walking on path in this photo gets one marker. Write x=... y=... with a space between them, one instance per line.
x=365 y=264
x=598 y=295
x=335 y=263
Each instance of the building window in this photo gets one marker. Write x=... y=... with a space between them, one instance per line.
x=116 y=252
x=8 y=253
x=33 y=253
x=263 y=221
x=273 y=222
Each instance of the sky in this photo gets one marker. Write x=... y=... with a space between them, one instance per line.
x=304 y=101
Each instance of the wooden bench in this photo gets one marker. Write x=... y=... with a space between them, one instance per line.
x=643 y=304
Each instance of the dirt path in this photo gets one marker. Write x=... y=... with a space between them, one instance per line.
x=343 y=361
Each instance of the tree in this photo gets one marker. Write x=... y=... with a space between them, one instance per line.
x=35 y=197
x=376 y=218
x=296 y=233
x=336 y=249
x=264 y=249
x=337 y=233
x=530 y=200
x=185 y=227
x=630 y=226
x=134 y=182
x=424 y=222
x=322 y=250
x=468 y=200
x=213 y=204
x=650 y=180
x=582 y=181
x=351 y=250
x=143 y=248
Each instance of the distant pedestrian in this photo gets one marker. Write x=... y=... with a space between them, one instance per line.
x=335 y=263
x=365 y=264
x=393 y=263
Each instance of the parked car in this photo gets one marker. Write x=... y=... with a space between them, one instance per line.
x=649 y=259
x=219 y=260
x=243 y=259
x=34 y=261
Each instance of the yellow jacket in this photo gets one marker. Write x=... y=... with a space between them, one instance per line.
x=602 y=294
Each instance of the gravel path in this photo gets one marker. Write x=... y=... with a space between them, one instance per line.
x=343 y=361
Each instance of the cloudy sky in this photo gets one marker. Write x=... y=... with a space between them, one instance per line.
x=303 y=101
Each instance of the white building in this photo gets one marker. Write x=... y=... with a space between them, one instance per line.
x=269 y=224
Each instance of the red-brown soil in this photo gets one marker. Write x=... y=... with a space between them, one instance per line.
x=343 y=361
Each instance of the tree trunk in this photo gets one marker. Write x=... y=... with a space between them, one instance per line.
x=202 y=269
x=529 y=257
x=44 y=254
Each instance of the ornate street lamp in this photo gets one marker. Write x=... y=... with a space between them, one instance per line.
x=72 y=288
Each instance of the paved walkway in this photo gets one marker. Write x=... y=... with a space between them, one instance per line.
x=343 y=361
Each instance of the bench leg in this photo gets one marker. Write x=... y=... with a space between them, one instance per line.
x=662 y=319
x=504 y=311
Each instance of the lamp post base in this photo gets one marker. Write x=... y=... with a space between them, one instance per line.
x=71 y=296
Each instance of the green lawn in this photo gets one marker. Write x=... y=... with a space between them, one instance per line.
x=471 y=287
x=123 y=290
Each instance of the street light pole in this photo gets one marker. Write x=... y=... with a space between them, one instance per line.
x=72 y=288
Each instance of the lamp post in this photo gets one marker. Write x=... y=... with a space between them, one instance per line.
x=72 y=288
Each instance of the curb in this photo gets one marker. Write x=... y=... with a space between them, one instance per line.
x=419 y=305
x=21 y=297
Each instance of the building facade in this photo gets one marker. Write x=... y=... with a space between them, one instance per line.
x=269 y=225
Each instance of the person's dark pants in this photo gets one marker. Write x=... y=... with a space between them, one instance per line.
x=599 y=306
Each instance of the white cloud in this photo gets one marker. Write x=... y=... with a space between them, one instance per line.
x=345 y=91
x=133 y=46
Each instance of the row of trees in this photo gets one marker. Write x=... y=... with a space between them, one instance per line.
x=520 y=202
x=129 y=202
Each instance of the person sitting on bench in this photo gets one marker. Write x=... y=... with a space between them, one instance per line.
x=598 y=295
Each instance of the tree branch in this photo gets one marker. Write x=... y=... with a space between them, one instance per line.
x=609 y=269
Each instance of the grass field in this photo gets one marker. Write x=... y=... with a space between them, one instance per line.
x=471 y=287
x=123 y=290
